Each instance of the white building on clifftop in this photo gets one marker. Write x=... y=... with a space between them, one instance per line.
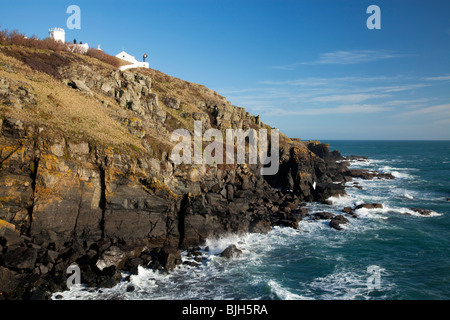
x=134 y=62
x=57 y=34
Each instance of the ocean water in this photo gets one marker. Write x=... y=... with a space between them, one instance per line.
x=410 y=253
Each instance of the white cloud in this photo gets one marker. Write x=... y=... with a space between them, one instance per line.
x=349 y=98
x=356 y=57
x=345 y=58
x=441 y=78
x=344 y=109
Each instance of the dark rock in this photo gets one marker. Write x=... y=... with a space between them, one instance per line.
x=191 y=263
x=11 y=238
x=348 y=210
x=327 y=190
x=423 y=212
x=369 y=175
x=20 y=258
x=133 y=265
x=336 y=222
x=262 y=226
x=170 y=258
x=130 y=288
x=369 y=206
x=290 y=223
x=324 y=215
x=231 y=251
x=40 y=295
x=8 y=282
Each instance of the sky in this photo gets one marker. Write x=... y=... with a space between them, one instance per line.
x=311 y=68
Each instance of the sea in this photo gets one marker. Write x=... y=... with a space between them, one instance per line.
x=392 y=253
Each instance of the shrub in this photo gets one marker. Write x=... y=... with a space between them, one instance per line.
x=102 y=56
x=18 y=39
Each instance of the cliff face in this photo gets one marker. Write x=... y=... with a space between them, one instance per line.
x=85 y=167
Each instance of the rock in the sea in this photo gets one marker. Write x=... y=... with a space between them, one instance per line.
x=423 y=212
x=368 y=175
x=170 y=258
x=336 y=222
x=347 y=210
x=369 y=206
x=231 y=251
x=324 y=215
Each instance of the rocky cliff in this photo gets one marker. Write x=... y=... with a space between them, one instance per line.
x=86 y=178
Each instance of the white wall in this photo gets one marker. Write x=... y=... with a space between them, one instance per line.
x=135 y=65
x=57 y=34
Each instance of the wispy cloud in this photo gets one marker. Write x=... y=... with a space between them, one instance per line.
x=348 y=98
x=442 y=110
x=343 y=109
x=441 y=78
x=346 y=58
x=356 y=57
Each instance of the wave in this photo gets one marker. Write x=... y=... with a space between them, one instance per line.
x=383 y=213
x=346 y=284
x=284 y=294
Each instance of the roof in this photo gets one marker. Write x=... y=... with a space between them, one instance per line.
x=127 y=57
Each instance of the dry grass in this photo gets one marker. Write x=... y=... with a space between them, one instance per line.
x=62 y=108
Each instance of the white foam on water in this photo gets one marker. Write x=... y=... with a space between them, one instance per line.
x=400 y=173
x=383 y=213
x=344 y=284
x=283 y=293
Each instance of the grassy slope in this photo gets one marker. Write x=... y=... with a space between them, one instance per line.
x=78 y=116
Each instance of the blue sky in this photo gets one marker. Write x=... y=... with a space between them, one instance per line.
x=311 y=68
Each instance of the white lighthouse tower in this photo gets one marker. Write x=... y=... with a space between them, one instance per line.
x=57 y=34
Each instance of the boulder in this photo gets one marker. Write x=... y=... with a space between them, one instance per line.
x=20 y=258
x=173 y=103
x=260 y=226
x=327 y=190
x=230 y=252
x=336 y=222
x=112 y=257
x=423 y=212
x=348 y=210
x=170 y=258
x=369 y=206
x=8 y=282
x=324 y=215
x=368 y=175
x=80 y=85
